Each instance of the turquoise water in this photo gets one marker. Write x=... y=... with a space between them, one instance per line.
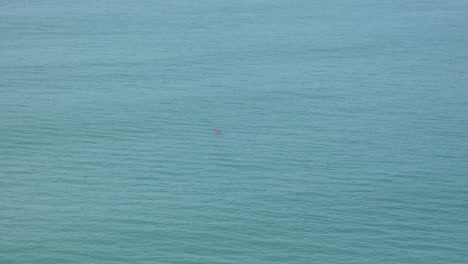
x=344 y=131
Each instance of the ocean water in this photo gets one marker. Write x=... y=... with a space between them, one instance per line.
x=344 y=131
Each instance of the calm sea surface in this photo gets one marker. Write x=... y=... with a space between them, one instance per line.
x=344 y=131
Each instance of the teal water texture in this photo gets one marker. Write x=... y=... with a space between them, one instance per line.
x=344 y=131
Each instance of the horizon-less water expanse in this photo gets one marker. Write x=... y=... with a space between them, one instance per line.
x=343 y=131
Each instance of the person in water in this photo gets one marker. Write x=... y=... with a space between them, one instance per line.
x=217 y=131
